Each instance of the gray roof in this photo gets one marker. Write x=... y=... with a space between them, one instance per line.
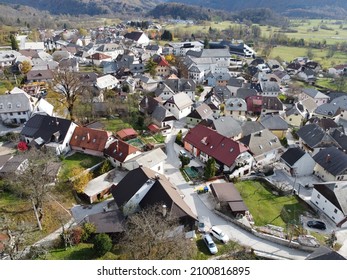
x=107 y=222
x=178 y=85
x=269 y=86
x=324 y=253
x=227 y=126
x=333 y=160
x=234 y=82
x=328 y=109
x=204 y=111
x=151 y=158
x=314 y=93
x=235 y=104
x=181 y=100
x=20 y=102
x=161 y=114
x=273 y=122
x=292 y=155
x=272 y=103
x=340 y=102
x=245 y=92
x=249 y=127
x=12 y=164
x=314 y=136
x=261 y=142
x=293 y=111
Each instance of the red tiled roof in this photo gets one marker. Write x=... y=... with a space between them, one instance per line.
x=88 y=138
x=154 y=128
x=119 y=150
x=126 y=132
x=221 y=148
x=99 y=56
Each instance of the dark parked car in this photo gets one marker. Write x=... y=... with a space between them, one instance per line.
x=316 y=224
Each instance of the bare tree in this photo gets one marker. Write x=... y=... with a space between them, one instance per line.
x=13 y=246
x=36 y=180
x=151 y=235
x=70 y=87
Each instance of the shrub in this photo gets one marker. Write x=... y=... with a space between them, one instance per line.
x=87 y=231
x=102 y=244
x=76 y=235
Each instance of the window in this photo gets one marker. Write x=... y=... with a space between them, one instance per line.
x=335 y=211
x=318 y=195
x=9 y=105
x=1 y=106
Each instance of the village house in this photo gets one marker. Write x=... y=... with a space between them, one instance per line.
x=331 y=199
x=297 y=162
x=205 y=143
x=318 y=97
x=202 y=112
x=52 y=132
x=263 y=145
x=119 y=152
x=331 y=164
x=180 y=105
x=142 y=187
x=275 y=124
x=90 y=141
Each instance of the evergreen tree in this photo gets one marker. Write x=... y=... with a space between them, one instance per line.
x=210 y=168
x=14 y=43
x=166 y=36
x=150 y=67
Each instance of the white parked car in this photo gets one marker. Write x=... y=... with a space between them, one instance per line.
x=210 y=244
x=217 y=233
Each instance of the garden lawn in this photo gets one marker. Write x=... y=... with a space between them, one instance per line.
x=77 y=160
x=115 y=125
x=82 y=251
x=267 y=208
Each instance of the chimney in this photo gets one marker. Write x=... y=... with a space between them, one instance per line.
x=164 y=210
x=327 y=159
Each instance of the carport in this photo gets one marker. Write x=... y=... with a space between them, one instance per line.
x=228 y=196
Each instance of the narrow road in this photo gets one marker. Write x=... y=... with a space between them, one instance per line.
x=237 y=234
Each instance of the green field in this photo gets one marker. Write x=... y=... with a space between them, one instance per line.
x=319 y=55
x=268 y=208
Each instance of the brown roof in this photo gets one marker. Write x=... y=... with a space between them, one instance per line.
x=99 y=56
x=40 y=75
x=88 y=138
x=226 y=192
x=119 y=150
x=162 y=191
x=126 y=132
x=221 y=148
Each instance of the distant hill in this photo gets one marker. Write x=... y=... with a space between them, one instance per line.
x=89 y=7
x=184 y=12
x=315 y=8
x=17 y=14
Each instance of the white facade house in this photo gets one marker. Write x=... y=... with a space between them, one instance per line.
x=297 y=162
x=16 y=107
x=107 y=82
x=153 y=159
x=331 y=199
x=180 y=105
x=318 y=97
